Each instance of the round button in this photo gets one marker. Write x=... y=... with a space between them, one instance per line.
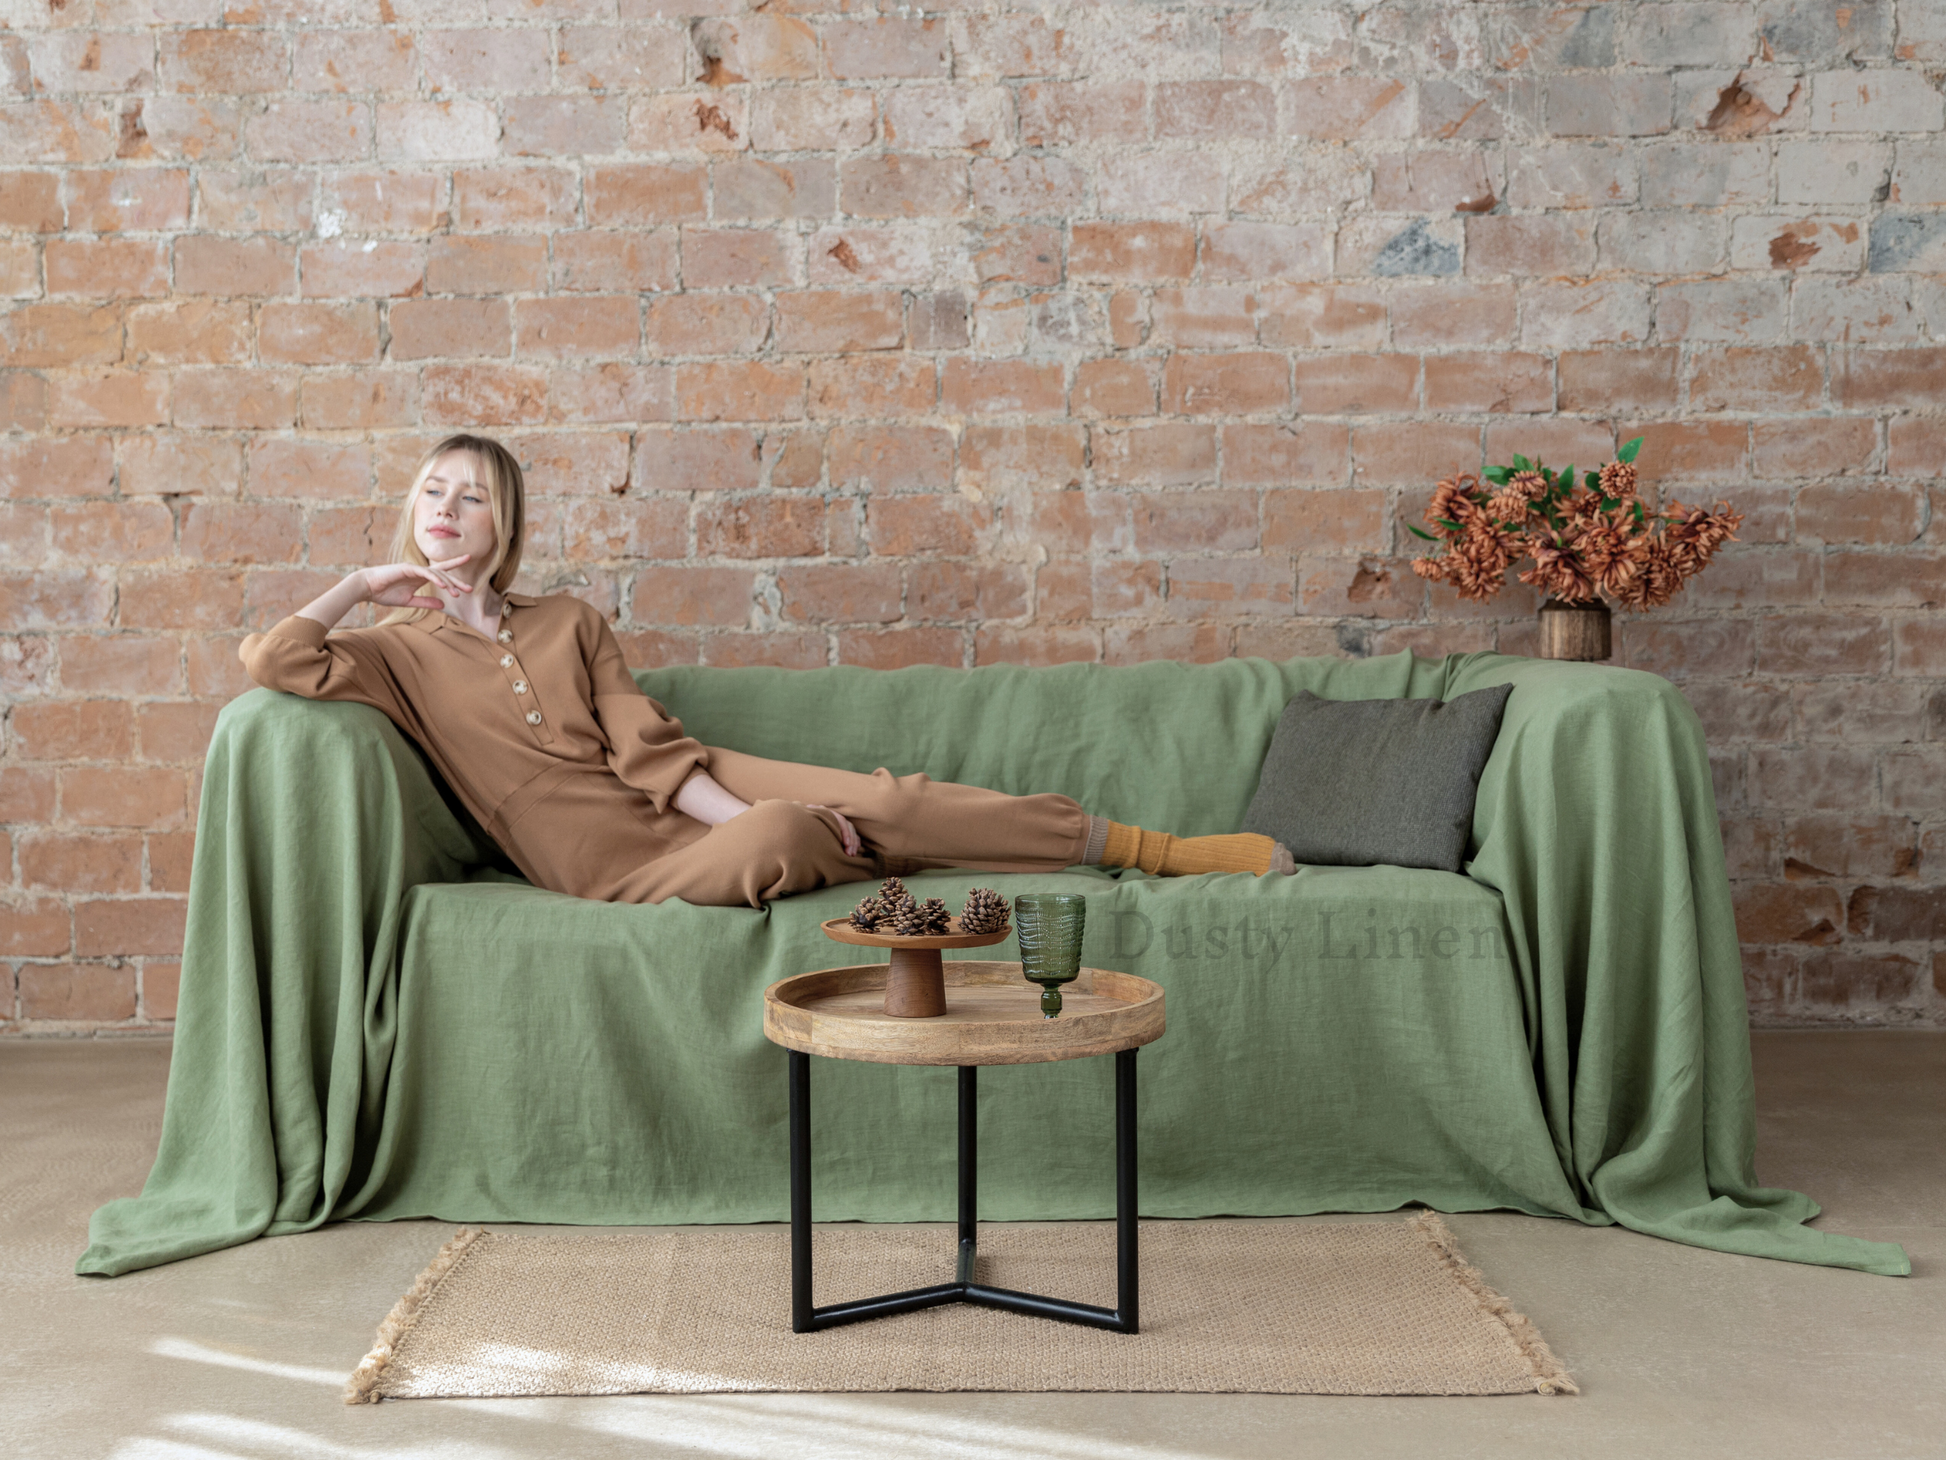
x=506 y=661
x=506 y=610
x=506 y=636
x=520 y=686
x=533 y=717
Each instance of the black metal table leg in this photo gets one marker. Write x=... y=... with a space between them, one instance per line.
x=1124 y=1317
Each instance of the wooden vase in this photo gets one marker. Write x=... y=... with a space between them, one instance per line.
x=1575 y=630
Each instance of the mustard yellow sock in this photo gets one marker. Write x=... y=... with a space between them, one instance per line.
x=1162 y=855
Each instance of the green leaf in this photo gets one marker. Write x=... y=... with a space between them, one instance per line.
x=1498 y=475
x=1627 y=453
x=1521 y=463
x=1567 y=477
x=1638 y=512
x=1418 y=533
x=1593 y=479
x=1450 y=526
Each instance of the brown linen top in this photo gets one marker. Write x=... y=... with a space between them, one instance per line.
x=508 y=723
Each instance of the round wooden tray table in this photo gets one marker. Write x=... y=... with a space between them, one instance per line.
x=992 y=1017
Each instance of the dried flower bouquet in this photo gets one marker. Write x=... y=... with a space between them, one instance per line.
x=1586 y=540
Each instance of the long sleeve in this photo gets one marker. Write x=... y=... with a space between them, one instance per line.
x=646 y=745
x=296 y=656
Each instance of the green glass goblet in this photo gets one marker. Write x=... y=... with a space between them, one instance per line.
x=1049 y=926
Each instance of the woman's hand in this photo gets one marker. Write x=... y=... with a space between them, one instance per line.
x=396 y=585
x=849 y=833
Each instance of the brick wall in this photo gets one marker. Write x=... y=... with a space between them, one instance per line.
x=973 y=334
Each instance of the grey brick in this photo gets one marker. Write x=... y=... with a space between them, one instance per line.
x=1828 y=244
x=1827 y=174
x=1819 y=31
x=1610 y=106
x=1572 y=175
x=1739 y=311
x=1551 y=39
x=1867 y=311
x=1690 y=35
x=1908 y=241
x=1661 y=242
x=1415 y=251
x=1877 y=99
x=1705 y=174
x=1919 y=174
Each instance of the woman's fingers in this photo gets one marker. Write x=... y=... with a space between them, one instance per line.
x=847 y=833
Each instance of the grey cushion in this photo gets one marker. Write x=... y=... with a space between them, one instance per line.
x=1354 y=783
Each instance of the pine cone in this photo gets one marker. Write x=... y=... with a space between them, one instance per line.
x=891 y=891
x=909 y=921
x=865 y=916
x=985 y=912
x=938 y=920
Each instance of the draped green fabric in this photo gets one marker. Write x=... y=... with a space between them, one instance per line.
x=377 y=1023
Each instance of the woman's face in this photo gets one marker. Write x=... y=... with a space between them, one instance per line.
x=453 y=515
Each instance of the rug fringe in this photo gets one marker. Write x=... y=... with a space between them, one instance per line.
x=1550 y=1377
x=362 y=1386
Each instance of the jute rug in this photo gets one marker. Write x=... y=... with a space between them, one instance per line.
x=1227 y=1307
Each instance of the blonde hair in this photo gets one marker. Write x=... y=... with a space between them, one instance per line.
x=496 y=470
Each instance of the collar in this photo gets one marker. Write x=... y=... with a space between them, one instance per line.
x=436 y=618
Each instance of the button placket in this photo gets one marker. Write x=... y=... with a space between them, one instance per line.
x=517 y=681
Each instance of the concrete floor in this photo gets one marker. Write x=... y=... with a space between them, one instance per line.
x=1678 y=1352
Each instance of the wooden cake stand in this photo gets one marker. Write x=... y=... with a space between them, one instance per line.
x=915 y=988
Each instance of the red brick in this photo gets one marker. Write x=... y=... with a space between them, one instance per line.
x=1214 y=521
x=231 y=267
x=753 y=391
x=692 y=596
x=1357 y=384
x=241 y=532
x=878 y=48
x=356 y=60
x=363 y=271
x=1184 y=643
x=896 y=648
x=113 y=532
x=1235 y=384
x=73 y=600
x=119 y=664
x=650 y=649
x=71 y=730
x=257 y=199
x=1898 y=914
x=1254 y=253
x=1846 y=846
x=965 y=591
x=1062 y=113
x=200 y=598
x=1201 y=587
x=189 y=332
x=30 y=202
x=222 y=62
x=485 y=60
x=1678 y=650
x=107 y=268
x=581 y=463
x=77 y=992
x=171 y=854
x=1785 y=378
x=1915 y=780
x=352 y=537
x=1114 y=387
x=761 y=527
x=23 y=402
x=901 y=526
x=1687 y=450
x=1025 y=186
x=121 y=796
x=1882 y=513
x=577 y=328
x=1453 y=312
x=1346 y=521
x=38 y=335
x=1839 y=980
x=119 y=927
x=849 y=386
x=109 y=398
x=310 y=131
x=269 y=595
x=613 y=392
x=1036 y=644
x=1788 y=912
x=1916 y=446
x=1007 y=457
x=57 y=466
x=1639 y=379
x=902 y=186
x=309 y=469
x=1887 y=379
x=706 y=324
x=619 y=261
x=645 y=195
x=318 y=334
x=485 y=264
x=1888 y=580
x=832 y=321
x=1499 y=381
x=979 y=387
x=360 y=400
x=697 y=460
x=1813 y=446
x=681 y=122
x=1203 y=316
x=514 y=197
x=472 y=396
x=259 y=399
x=60 y=862
x=430 y=328
x=1284 y=455
x=1189 y=110
x=891 y=458
x=795 y=458
x=1814 y=778
x=754 y=187
x=1757 y=579
x=771 y=647
x=161 y=983
x=1919 y=647
x=1018 y=254
x=1365 y=587
x=1134 y=252
x=841 y=593
x=26 y=795
x=23 y=535
x=1530 y=244
x=1170 y=454
x=728 y=258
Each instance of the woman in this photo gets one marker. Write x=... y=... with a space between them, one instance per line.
x=527 y=710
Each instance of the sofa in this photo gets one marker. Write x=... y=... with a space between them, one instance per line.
x=379 y=1020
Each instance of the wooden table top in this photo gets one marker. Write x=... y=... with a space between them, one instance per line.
x=993 y=1017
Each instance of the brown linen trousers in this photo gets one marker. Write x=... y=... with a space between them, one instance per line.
x=564 y=761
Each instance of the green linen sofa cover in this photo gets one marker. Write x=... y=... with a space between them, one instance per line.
x=377 y=1023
